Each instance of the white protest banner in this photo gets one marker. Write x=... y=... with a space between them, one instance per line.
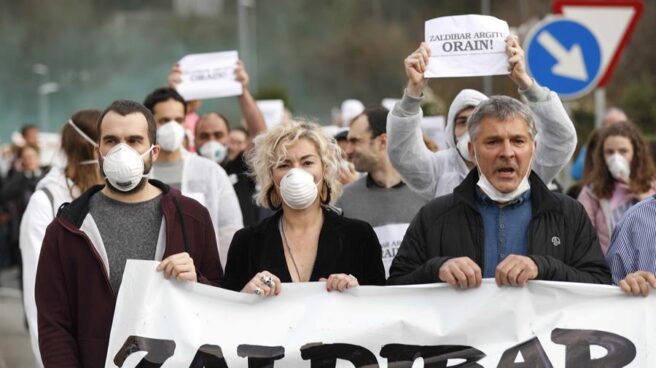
x=466 y=46
x=209 y=75
x=166 y=323
x=390 y=237
x=273 y=111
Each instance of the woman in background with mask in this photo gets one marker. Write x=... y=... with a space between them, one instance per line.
x=622 y=175
x=297 y=168
x=60 y=185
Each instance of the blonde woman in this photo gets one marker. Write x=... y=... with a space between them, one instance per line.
x=297 y=168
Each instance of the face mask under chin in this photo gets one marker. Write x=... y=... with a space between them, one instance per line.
x=496 y=195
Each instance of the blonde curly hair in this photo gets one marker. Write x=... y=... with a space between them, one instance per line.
x=270 y=150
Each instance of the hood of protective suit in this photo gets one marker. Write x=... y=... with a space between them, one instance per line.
x=466 y=98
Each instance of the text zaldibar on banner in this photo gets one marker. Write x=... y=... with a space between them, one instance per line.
x=466 y=46
x=165 y=323
x=209 y=75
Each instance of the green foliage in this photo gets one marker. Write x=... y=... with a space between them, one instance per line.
x=639 y=102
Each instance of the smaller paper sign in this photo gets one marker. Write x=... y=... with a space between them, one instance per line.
x=466 y=46
x=209 y=75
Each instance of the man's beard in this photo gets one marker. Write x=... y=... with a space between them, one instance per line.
x=147 y=167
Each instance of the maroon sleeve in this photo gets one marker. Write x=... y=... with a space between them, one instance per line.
x=56 y=341
x=209 y=267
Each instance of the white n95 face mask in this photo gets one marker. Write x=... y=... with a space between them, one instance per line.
x=298 y=189
x=462 y=144
x=619 y=167
x=124 y=167
x=213 y=150
x=170 y=136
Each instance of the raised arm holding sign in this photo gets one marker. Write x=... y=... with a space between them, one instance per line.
x=254 y=120
x=451 y=171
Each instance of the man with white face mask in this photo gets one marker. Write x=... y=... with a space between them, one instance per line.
x=195 y=176
x=213 y=137
x=86 y=247
x=502 y=221
x=433 y=174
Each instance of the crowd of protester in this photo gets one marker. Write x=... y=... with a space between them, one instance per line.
x=250 y=208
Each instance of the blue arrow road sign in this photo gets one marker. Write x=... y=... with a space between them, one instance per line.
x=565 y=56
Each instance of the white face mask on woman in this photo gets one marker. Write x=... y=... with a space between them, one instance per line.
x=298 y=189
x=170 y=136
x=123 y=167
x=619 y=167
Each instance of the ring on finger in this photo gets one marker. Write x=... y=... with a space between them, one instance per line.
x=267 y=280
x=257 y=291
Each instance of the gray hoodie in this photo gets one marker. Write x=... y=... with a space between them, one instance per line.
x=433 y=174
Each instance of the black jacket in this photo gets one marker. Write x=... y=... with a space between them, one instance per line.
x=561 y=240
x=345 y=246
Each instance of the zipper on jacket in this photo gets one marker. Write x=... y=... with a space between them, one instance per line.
x=95 y=253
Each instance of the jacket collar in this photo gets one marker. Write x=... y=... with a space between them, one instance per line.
x=76 y=211
x=542 y=199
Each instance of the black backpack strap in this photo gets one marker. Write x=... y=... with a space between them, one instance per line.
x=51 y=198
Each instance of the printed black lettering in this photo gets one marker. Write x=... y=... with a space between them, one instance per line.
x=621 y=351
x=325 y=355
x=209 y=356
x=533 y=355
x=261 y=356
x=158 y=351
x=435 y=356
